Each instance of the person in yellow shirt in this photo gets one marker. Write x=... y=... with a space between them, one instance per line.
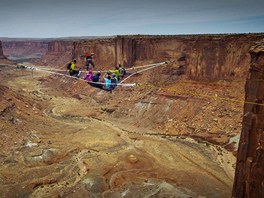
x=73 y=69
x=116 y=72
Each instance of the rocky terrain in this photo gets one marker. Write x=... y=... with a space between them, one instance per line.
x=70 y=143
x=173 y=136
x=3 y=59
x=24 y=50
x=199 y=57
x=58 y=54
x=249 y=179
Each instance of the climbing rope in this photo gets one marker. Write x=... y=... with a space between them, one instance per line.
x=137 y=72
x=102 y=71
x=65 y=75
x=149 y=66
x=147 y=85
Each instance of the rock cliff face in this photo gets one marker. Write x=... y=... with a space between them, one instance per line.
x=58 y=53
x=1 y=51
x=208 y=57
x=249 y=178
x=3 y=59
x=23 y=50
x=104 y=50
x=62 y=138
x=61 y=52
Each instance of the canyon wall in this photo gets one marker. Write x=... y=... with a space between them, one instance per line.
x=249 y=178
x=1 y=51
x=24 y=50
x=3 y=59
x=201 y=57
x=58 y=54
x=104 y=50
x=61 y=52
x=207 y=56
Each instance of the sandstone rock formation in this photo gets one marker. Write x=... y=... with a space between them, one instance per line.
x=24 y=49
x=208 y=57
x=58 y=53
x=249 y=178
x=3 y=59
x=104 y=50
x=54 y=144
x=134 y=142
x=1 y=51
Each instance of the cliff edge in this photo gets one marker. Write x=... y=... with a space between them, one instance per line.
x=249 y=177
x=1 y=51
x=3 y=59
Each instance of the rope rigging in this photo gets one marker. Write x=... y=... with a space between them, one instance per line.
x=51 y=71
x=146 y=67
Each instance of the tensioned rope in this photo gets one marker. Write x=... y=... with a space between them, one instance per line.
x=99 y=83
x=103 y=71
x=137 y=67
x=135 y=84
x=68 y=76
x=137 y=72
x=150 y=66
x=142 y=66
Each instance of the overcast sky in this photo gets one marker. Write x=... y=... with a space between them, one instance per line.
x=62 y=18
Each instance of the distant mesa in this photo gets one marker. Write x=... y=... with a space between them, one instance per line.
x=3 y=59
x=1 y=51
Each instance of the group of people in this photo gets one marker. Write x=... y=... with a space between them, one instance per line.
x=109 y=80
x=74 y=71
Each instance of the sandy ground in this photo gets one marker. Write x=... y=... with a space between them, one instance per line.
x=63 y=145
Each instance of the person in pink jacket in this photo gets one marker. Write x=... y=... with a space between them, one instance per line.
x=89 y=76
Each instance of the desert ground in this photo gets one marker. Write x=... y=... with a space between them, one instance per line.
x=60 y=137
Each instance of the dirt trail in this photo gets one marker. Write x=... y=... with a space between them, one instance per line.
x=67 y=151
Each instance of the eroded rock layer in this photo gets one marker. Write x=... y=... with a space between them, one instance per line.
x=206 y=57
x=3 y=59
x=199 y=56
x=249 y=178
x=24 y=50
x=63 y=138
x=54 y=144
x=58 y=53
x=1 y=51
